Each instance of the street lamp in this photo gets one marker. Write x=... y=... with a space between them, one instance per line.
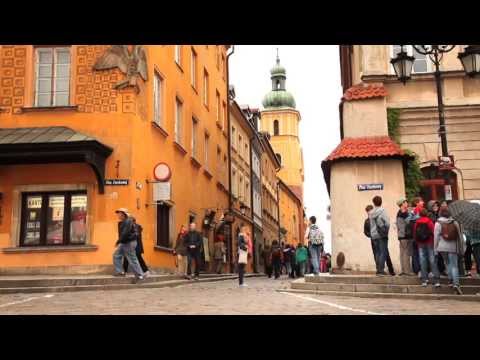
x=402 y=64
x=470 y=59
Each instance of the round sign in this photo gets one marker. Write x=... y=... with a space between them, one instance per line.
x=162 y=172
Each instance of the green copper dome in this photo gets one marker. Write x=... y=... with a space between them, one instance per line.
x=278 y=97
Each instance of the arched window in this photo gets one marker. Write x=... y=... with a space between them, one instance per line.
x=279 y=157
x=276 y=128
x=278 y=84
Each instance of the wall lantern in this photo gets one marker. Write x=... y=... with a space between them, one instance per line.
x=403 y=64
x=470 y=59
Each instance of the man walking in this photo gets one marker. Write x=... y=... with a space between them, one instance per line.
x=366 y=231
x=315 y=236
x=379 y=227
x=193 y=241
x=126 y=245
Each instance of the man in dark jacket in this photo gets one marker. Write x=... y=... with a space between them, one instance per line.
x=138 y=250
x=126 y=245
x=366 y=231
x=193 y=242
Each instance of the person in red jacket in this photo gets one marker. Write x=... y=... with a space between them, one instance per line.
x=423 y=233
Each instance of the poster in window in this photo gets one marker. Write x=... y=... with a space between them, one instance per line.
x=78 y=222
x=33 y=215
x=34 y=202
x=206 y=249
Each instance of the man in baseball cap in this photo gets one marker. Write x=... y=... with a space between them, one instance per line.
x=126 y=245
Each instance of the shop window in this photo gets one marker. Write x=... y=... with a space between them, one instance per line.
x=163 y=225
x=52 y=76
x=52 y=219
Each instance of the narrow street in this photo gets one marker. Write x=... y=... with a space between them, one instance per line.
x=220 y=298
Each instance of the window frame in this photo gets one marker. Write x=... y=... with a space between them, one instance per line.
x=218 y=104
x=53 y=74
x=409 y=49
x=158 y=92
x=276 y=128
x=206 y=89
x=193 y=68
x=178 y=55
x=206 y=145
x=67 y=217
x=194 y=142
x=178 y=120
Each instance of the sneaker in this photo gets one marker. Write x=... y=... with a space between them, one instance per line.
x=430 y=275
x=196 y=278
x=146 y=273
x=468 y=274
x=392 y=274
x=188 y=277
x=243 y=285
x=381 y=274
x=138 y=279
x=122 y=274
x=458 y=290
x=437 y=285
x=424 y=284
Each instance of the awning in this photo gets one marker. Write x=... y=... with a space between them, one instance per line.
x=56 y=144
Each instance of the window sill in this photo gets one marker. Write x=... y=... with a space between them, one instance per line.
x=163 y=249
x=48 y=108
x=195 y=162
x=207 y=173
x=180 y=148
x=48 y=249
x=159 y=128
x=179 y=66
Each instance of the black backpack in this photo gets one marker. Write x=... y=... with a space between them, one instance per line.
x=423 y=232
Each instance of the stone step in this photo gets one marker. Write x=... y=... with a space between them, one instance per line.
x=372 y=279
x=382 y=288
x=80 y=283
x=385 y=295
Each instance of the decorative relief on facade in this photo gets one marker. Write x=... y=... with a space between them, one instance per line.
x=12 y=78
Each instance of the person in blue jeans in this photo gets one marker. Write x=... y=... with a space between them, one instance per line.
x=126 y=246
x=315 y=237
x=379 y=228
x=448 y=242
x=423 y=234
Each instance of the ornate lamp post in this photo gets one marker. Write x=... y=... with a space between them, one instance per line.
x=402 y=64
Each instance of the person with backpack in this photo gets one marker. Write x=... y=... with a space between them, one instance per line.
x=423 y=233
x=138 y=250
x=405 y=236
x=448 y=242
x=473 y=237
x=315 y=236
x=126 y=245
x=379 y=228
x=277 y=255
x=301 y=257
x=366 y=231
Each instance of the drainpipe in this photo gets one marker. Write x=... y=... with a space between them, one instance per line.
x=230 y=202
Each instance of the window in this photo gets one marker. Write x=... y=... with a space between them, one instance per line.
x=194 y=137
x=207 y=140
x=234 y=142
x=240 y=188
x=247 y=157
x=50 y=219
x=224 y=70
x=279 y=157
x=217 y=106
x=163 y=225
x=421 y=64
x=178 y=120
x=234 y=183
x=247 y=193
x=239 y=149
x=158 y=99
x=225 y=167
x=224 y=114
x=205 y=88
x=178 y=54
x=193 y=70
x=217 y=56
x=52 y=86
x=276 y=128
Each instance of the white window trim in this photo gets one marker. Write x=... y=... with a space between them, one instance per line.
x=194 y=142
x=193 y=68
x=206 y=146
x=178 y=120
x=158 y=91
x=409 y=49
x=178 y=54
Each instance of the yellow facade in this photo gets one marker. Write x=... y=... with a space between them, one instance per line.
x=291 y=215
x=124 y=120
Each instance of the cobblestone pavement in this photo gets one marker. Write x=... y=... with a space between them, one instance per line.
x=221 y=298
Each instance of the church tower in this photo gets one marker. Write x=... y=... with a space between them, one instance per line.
x=281 y=120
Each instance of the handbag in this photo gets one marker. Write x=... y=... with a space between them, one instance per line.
x=242 y=256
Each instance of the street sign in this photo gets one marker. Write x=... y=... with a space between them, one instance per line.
x=162 y=191
x=369 y=187
x=162 y=172
x=116 y=182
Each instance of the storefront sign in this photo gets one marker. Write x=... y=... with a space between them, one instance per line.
x=116 y=182
x=369 y=187
x=162 y=191
x=35 y=202
x=448 y=192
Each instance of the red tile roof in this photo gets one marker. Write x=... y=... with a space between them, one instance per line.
x=360 y=92
x=373 y=146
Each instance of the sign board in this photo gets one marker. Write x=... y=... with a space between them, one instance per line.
x=116 y=182
x=369 y=187
x=162 y=191
x=35 y=202
x=162 y=172
x=448 y=193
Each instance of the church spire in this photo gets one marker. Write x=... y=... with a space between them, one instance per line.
x=278 y=96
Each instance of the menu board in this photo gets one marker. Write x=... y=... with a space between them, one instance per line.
x=32 y=225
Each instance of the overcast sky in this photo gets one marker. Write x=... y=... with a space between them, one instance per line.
x=313 y=77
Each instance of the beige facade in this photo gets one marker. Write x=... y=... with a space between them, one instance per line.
x=371 y=89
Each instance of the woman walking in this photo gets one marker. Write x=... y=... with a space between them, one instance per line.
x=180 y=252
x=449 y=243
x=243 y=248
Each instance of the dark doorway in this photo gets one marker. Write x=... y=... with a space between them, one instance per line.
x=438 y=185
x=163 y=225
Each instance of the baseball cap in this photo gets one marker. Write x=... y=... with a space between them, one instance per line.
x=401 y=201
x=124 y=210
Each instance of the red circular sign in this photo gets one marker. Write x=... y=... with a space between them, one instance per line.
x=162 y=172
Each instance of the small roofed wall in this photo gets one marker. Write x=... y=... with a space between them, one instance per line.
x=348 y=208
x=366 y=117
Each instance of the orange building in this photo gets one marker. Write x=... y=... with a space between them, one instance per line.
x=291 y=215
x=84 y=127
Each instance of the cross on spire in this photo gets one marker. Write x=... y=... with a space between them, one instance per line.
x=278 y=58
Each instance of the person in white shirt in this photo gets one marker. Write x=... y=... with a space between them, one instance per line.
x=314 y=236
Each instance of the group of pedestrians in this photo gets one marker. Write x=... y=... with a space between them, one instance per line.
x=430 y=240
x=300 y=260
